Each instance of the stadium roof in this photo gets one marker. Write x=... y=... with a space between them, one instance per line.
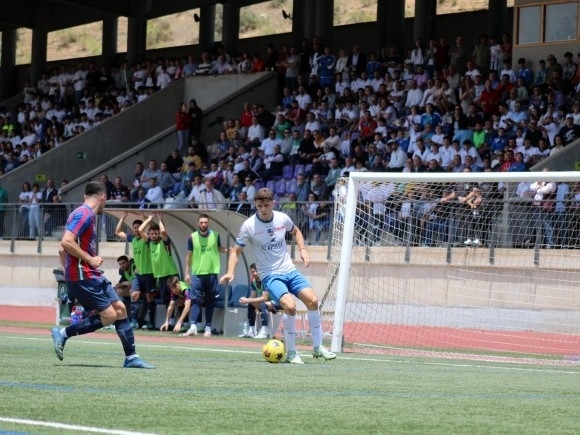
x=51 y=15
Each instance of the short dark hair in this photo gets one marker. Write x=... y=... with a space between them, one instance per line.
x=95 y=188
x=123 y=258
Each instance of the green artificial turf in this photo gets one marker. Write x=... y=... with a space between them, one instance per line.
x=211 y=390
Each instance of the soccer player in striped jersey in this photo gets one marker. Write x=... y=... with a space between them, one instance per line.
x=85 y=282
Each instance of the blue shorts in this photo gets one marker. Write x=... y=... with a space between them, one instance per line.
x=93 y=294
x=203 y=285
x=280 y=284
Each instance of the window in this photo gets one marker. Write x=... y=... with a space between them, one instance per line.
x=561 y=22
x=553 y=22
x=529 y=28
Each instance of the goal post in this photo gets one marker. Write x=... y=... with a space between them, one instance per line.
x=452 y=263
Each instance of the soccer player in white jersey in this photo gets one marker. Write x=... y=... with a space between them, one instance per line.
x=265 y=232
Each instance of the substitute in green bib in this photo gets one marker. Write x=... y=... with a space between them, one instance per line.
x=202 y=266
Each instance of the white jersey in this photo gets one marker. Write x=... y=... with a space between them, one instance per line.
x=268 y=240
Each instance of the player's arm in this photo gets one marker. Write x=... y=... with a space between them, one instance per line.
x=299 y=238
x=62 y=256
x=232 y=263
x=143 y=226
x=184 y=313
x=221 y=249
x=162 y=231
x=119 y=230
x=170 y=309
x=187 y=267
x=71 y=247
x=249 y=299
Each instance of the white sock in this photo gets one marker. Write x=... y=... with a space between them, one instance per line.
x=63 y=332
x=193 y=326
x=314 y=323
x=290 y=333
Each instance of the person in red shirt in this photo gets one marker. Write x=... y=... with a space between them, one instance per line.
x=489 y=100
x=509 y=160
x=247 y=116
x=258 y=64
x=367 y=126
x=182 y=121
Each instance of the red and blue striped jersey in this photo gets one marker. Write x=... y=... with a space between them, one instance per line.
x=82 y=223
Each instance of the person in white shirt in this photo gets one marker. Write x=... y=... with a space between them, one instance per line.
x=211 y=198
x=268 y=144
x=255 y=131
x=154 y=193
x=265 y=232
x=398 y=157
x=304 y=100
x=414 y=95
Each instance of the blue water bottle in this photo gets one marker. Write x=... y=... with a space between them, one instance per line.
x=77 y=314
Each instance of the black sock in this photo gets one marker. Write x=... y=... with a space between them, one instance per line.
x=90 y=324
x=152 y=309
x=125 y=333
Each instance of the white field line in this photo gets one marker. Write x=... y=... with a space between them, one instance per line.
x=75 y=427
x=509 y=365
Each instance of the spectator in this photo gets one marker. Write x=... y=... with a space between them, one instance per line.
x=569 y=131
x=183 y=124
x=241 y=204
x=24 y=200
x=120 y=192
x=166 y=180
x=154 y=194
x=196 y=118
x=47 y=198
x=34 y=215
x=319 y=187
x=544 y=200
x=174 y=163
x=211 y=198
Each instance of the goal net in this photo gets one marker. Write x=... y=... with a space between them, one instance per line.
x=458 y=264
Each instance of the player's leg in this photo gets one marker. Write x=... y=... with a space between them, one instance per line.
x=92 y=295
x=276 y=285
x=264 y=331
x=310 y=300
x=135 y=299
x=151 y=289
x=194 y=312
x=209 y=283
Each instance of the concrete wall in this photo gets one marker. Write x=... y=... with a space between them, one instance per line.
x=426 y=279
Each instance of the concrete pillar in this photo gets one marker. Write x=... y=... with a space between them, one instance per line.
x=391 y=24
x=207 y=27
x=323 y=19
x=231 y=26
x=109 y=49
x=7 y=71
x=309 y=10
x=298 y=15
x=136 y=39
x=497 y=18
x=424 y=23
x=39 y=41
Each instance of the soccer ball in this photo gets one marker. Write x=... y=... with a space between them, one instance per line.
x=274 y=351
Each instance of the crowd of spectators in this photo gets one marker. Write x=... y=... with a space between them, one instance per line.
x=440 y=107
